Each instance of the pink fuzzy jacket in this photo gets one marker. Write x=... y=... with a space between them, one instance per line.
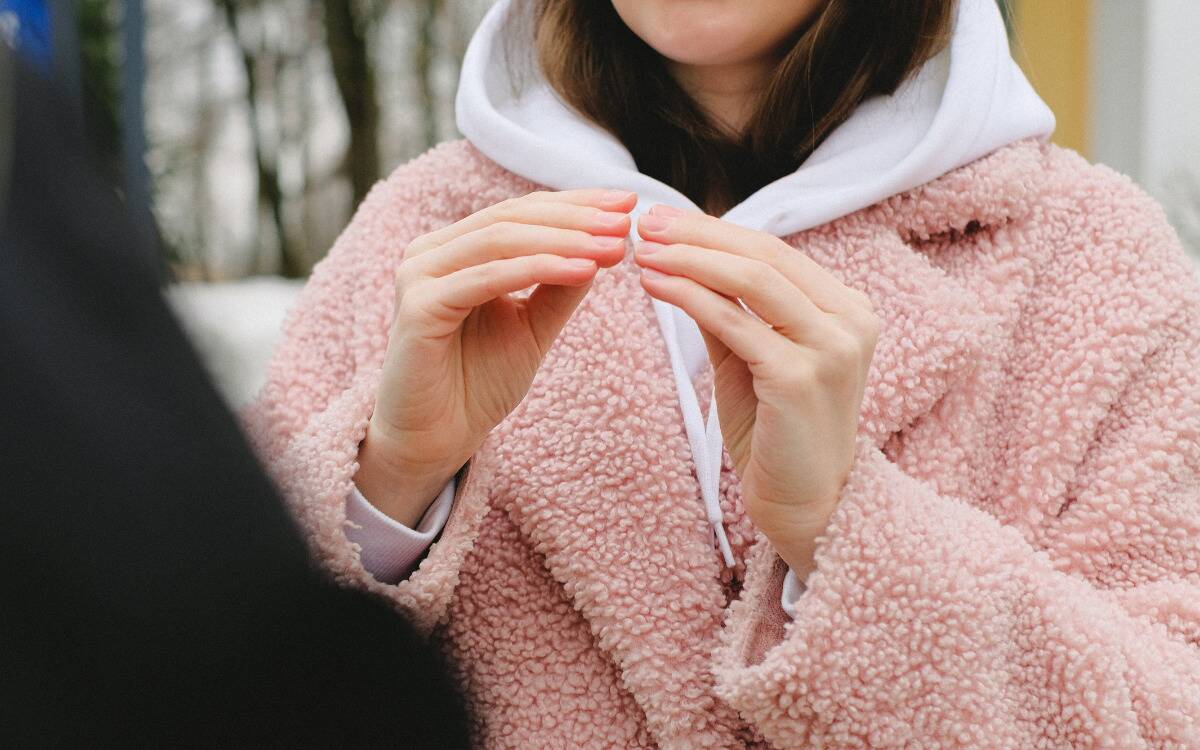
x=1015 y=560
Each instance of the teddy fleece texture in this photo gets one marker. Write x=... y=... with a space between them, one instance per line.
x=1015 y=559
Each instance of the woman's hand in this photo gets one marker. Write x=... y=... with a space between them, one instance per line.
x=788 y=384
x=462 y=353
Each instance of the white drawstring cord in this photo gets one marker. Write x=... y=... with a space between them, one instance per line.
x=706 y=442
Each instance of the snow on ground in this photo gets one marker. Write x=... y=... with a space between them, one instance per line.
x=235 y=326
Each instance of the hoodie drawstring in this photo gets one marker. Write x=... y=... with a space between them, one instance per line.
x=706 y=441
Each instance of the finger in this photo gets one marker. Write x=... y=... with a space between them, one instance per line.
x=549 y=308
x=659 y=209
x=762 y=287
x=451 y=298
x=749 y=339
x=578 y=209
x=695 y=228
x=506 y=239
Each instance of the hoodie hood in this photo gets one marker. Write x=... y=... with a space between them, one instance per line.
x=963 y=103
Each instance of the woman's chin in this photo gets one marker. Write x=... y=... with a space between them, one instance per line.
x=720 y=32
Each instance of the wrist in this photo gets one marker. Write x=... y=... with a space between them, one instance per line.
x=795 y=538
x=797 y=528
x=400 y=489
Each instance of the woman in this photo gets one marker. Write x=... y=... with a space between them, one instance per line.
x=947 y=491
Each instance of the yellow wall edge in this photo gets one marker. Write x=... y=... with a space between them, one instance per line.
x=1051 y=43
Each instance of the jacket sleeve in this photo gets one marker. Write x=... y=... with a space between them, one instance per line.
x=312 y=412
x=928 y=619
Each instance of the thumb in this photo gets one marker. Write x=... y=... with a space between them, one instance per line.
x=549 y=308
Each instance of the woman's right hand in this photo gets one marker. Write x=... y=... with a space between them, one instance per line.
x=461 y=352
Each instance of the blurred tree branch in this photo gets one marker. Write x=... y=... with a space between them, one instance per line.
x=252 y=171
x=423 y=53
x=269 y=191
x=99 y=50
x=346 y=24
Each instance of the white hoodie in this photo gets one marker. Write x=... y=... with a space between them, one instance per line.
x=963 y=103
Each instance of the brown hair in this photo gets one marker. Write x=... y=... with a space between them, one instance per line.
x=852 y=49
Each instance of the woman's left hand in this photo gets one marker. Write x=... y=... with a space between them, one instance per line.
x=789 y=385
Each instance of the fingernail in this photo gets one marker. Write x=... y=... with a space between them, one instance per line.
x=652 y=274
x=608 y=219
x=645 y=248
x=653 y=223
x=661 y=209
x=580 y=263
x=616 y=196
x=608 y=243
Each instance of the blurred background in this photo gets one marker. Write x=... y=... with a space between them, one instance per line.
x=254 y=127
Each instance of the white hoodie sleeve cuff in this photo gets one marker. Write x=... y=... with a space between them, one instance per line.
x=389 y=548
x=793 y=588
